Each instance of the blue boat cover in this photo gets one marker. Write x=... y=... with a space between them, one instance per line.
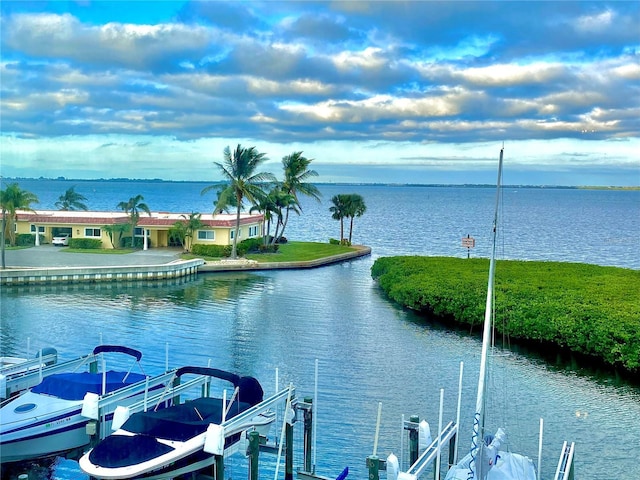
x=181 y=422
x=117 y=451
x=74 y=386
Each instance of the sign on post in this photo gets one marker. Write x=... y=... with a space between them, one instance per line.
x=469 y=243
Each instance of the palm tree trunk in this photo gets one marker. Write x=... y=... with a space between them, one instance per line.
x=276 y=234
x=350 y=228
x=4 y=232
x=284 y=224
x=234 y=251
x=341 y=229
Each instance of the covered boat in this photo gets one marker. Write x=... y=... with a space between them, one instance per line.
x=47 y=419
x=165 y=442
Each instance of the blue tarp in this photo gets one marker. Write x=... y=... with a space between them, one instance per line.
x=74 y=386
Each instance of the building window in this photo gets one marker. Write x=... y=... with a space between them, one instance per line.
x=92 y=232
x=233 y=233
x=206 y=235
x=40 y=229
x=138 y=232
x=253 y=231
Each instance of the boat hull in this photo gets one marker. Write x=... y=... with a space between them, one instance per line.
x=50 y=427
x=35 y=426
x=46 y=444
x=184 y=457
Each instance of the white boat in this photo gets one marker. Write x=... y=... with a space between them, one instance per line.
x=182 y=438
x=46 y=419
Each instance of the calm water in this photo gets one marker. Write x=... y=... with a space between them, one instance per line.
x=368 y=350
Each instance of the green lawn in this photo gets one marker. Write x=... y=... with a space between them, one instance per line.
x=300 y=252
x=289 y=252
x=102 y=251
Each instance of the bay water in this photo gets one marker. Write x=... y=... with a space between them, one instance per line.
x=367 y=350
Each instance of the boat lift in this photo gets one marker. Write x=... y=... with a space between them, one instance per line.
x=15 y=378
x=98 y=407
x=564 y=471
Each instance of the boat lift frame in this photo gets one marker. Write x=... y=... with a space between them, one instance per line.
x=12 y=382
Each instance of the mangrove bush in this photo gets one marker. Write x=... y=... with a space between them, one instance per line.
x=588 y=309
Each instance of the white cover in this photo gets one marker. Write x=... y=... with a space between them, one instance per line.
x=393 y=467
x=424 y=436
x=120 y=415
x=214 y=439
x=90 y=408
x=510 y=466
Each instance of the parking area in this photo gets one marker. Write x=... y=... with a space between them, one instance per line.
x=50 y=256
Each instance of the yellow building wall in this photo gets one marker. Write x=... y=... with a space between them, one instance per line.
x=158 y=237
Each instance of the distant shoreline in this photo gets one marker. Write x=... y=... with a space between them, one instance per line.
x=431 y=185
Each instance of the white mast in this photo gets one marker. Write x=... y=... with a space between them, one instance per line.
x=478 y=420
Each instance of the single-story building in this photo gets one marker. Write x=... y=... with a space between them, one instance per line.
x=154 y=229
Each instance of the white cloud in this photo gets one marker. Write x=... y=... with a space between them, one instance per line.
x=595 y=23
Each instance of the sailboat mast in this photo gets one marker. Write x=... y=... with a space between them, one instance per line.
x=478 y=421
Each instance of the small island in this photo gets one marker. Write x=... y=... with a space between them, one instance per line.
x=588 y=310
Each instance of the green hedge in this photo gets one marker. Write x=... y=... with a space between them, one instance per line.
x=27 y=239
x=250 y=245
x=138 y=242
x=589 y=309
x=85 y=243
x=215 y=251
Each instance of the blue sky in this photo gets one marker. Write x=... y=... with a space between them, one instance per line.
x=384 y=92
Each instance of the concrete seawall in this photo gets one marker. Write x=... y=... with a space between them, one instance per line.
x=243 y=264
x=174 y=269
x=34 y=276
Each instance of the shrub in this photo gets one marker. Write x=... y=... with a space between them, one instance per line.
x=250 y=245
x=282 y=240
x=333 y=241
x=27 y=240
x=272 y=248
x=138 y=242
x=85 y=243
x=211 y=250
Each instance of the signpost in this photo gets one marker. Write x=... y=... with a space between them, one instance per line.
x=469 y=243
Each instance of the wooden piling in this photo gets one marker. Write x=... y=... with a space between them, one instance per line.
x=413 y=439
x=288 y=455
x=254 y=452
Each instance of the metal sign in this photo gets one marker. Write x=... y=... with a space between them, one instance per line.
x=468 y=242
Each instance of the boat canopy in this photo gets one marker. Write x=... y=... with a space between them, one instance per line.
x=74 y=386
x=118 y=349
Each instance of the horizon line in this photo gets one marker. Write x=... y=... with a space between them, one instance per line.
x=385 y=184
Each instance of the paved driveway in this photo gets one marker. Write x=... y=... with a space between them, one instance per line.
x=50 y=256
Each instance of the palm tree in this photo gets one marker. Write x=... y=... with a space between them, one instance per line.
x=355 y=208
x=239 y=170
x=221 y=206
x=339 y=211
x=12 y=199
x=132 y=207
x=296 y=174
x=71 y=200
x=283 y=201
x=266 y=204
x=183 y=230
x=193 y=224
x=115 y=232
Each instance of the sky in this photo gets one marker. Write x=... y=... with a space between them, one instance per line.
x=374 y=92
